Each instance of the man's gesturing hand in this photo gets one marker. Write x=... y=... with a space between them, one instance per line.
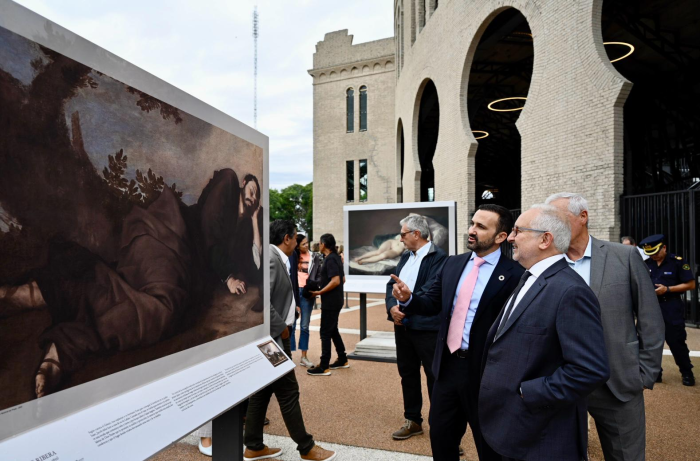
x=400 y=291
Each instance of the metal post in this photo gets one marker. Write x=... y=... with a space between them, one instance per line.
x=363 y=316
x=227 y=435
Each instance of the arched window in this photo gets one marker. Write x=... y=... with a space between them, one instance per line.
x=350 y=105
x=363 y=108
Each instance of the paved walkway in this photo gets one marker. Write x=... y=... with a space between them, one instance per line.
x=187 y=450
x=362 y=406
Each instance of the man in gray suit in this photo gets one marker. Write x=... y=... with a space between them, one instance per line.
x=633 y=327
x=283 y=238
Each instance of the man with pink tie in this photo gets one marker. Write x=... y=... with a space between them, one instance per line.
x=468 y=295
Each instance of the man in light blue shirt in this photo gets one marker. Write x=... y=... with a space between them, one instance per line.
x=632 y=325
x=582 y=265
x=415 y=335
x=483 y=278
x=485 y=284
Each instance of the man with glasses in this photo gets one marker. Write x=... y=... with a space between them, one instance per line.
x=544 y=353
x=633 y=327
x=415 y=335
x=467 y=296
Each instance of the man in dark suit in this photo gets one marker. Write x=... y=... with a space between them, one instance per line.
x=545 y=352
x=633 y=327
x=415 y=335
x=467 y=295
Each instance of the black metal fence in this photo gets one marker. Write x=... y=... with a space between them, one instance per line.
x=674 y=214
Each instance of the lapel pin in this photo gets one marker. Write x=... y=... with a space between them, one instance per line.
x=501 y=278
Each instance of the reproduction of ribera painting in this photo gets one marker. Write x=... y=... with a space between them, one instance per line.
x=129 y=229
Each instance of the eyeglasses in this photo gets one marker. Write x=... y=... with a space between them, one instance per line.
x=516 y=230
x=403 y=234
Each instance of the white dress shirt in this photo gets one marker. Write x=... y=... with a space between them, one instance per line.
x=535 y=271
x=293 y=307
x=583 y=266
x=409 y=272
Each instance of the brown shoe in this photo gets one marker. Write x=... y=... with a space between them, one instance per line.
x=408 y=430
x=265 y=453
x=319 y=454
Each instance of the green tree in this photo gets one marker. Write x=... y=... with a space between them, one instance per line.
x=294 y=202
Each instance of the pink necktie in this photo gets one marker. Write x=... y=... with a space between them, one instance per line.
x=459 y=315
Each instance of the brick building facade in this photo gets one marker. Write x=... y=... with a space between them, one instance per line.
x=570 y=128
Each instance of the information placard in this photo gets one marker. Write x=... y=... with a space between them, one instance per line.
x=140 y=423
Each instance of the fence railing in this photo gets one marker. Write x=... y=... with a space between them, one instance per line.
x=674 y=214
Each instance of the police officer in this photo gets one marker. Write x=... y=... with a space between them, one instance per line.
x=671 y=276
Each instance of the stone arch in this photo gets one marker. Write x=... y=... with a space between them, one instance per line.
x=333 y=75
x=505 y=41
x=355 y=71
x=365 y=69
x=426 y=124
x=389 y=65
x=343 y=73
x=322 y=78
x=601 y=73
x=400 y=160
x=377 y=67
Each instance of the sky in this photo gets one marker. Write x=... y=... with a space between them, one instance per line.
x=205 y=47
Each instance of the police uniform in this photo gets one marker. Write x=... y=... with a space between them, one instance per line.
x=673 y=270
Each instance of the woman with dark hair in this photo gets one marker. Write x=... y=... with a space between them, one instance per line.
x=332 y=280
x=306 y=305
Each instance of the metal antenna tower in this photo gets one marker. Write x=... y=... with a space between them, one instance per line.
x=255 y=67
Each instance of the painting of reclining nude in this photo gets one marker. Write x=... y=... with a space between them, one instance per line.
x=129 y=229
x=374 y=240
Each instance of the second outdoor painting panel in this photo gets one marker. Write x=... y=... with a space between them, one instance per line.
x=374 y=240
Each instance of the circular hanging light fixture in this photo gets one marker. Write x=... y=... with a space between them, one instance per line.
x=628 y=45
x=490 y=106
x=484 y=134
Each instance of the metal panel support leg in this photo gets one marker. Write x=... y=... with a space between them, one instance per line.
x=363 y=316
x=227 y=437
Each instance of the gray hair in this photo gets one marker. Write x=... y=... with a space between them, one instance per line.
x=554 y=222
x=577 y=203
x=417 y=223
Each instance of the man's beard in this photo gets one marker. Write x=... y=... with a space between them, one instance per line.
x=480 y=245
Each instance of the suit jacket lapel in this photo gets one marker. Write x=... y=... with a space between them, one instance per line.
x=498 y=280
x=534 y=290
x=284 y=266
x=599 y=252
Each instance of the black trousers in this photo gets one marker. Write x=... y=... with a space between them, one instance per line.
x=675 y=338
x=286 y=389
x=413 y=349
x=329 y=332
x=453 y=406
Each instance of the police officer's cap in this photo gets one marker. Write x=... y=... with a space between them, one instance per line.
x=652 y=244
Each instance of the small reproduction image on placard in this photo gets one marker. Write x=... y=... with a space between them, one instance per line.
x=272 y=352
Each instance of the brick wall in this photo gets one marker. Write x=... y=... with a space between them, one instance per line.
x=571 y=127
